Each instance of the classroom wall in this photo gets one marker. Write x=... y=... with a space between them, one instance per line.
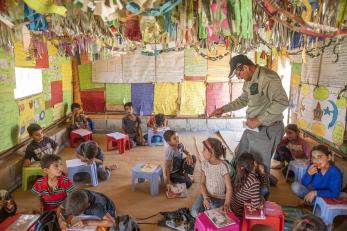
x=44 y=108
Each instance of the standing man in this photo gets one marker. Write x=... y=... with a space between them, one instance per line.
x=266 y=99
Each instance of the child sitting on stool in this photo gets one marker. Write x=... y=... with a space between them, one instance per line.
x=79 y=119
x=156 y=123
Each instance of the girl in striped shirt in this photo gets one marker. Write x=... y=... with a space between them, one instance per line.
x=246 y=186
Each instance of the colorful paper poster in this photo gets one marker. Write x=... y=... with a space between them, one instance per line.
x=26 y=115
x=194 y=64
x=67 y=101
x=166 y=98
x=138 y=68
x=117 y=95
x=334 y=69
x=310 y=70
x=85 y=77
x=108 y=70
x=93 y=100
x=39 y=110
x=52 y=50
x=58 y=111
x=322 y=113
x=193 y=96
x=9 y=121
x=236 y=91
x=295 y=89
x=217 y=95
x=66 y=73
x=170 y=67
x=84 y=58
x=21 y=58
x=219 y=69
x=142 y=98
x=56 y=92
x=7 y=80
x=42 y=60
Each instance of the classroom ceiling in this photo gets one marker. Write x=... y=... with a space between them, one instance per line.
x=119 y=26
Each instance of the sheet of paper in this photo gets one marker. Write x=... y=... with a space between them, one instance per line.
x=42 y=61
x=52 y=50
x=74 y=163
x=22 y=59
x=39 y=110
x=93 y=100
x=7 y=77
x=142 y=98
x=333 y=73
x=166 y=98
x=66 y=73
x=236 y=91
x=138 y=68
x=26 y=115
x=82 y=132
x=218 y=70
x=85 y=77
x=194 y=64
x=310 y=70
x=193 y=96
x=117 y=94
x=217 y=95
x=58 y=111
x=67 y=101
x=116 y=135
x=108 y=70
x=170 y=67
x=56 y=92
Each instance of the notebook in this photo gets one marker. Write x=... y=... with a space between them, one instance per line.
x=336 y=201
x=24 y=222
x=83 y=218
x=148 y=167
x=253 y=213
x=219 y=218
x=82 y=132
x=75 y=163
x=116 y=135
x=176 y=191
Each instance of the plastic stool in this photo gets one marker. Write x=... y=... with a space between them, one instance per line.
x=75 y=136
x=153 y=177
x=298 y=167
x=151 y=134
x=274 y=218
x=328 y=211
x=89 y=168
x=28 y=172
x=203 y=223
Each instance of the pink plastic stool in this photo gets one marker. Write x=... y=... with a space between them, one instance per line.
x=203 y=223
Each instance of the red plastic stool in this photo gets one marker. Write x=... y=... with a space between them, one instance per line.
x=203 y=223
x=80 y=134
x=118 y=139
x=274 y=218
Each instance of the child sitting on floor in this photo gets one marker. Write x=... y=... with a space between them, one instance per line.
x=246 y=186
x=291 y=147
x=131 y=125
x=8 y=206
x=177 y=168
x=215 y=180
x=90 y=152
x=309 y=222
x=53 y=188
x=321 y=179
x=40 y=146
x=91 y=203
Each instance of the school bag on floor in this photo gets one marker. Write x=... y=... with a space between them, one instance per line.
x=125 y=223
x=180 y=220
x=48 y=221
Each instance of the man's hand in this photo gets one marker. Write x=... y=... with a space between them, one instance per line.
x=217 y=113
x=310 y=196
x=312 y=170
x=253 y=123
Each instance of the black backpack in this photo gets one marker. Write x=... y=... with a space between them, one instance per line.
x=48 y=221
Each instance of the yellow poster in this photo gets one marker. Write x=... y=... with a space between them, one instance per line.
x=218 y=70
x=165 y=98
x=22 y=59
x=52 y=51
x=66 y=73
x=26 y=115
x=58 y=111
x=193 y=98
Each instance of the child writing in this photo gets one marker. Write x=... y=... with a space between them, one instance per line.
x=131 y=125
x=8 y=206
x=40 y=146
x=215 y=180
x=90 y=203
x=177 y=168
x=246 y=186
x=90 y=152
x=321 y=179
x=53 y=188
x=291 y=147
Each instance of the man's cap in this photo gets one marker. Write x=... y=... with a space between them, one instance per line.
x=237 y=61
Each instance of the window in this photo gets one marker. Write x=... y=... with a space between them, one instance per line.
x=28 y=82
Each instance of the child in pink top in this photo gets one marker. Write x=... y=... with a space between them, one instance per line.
x=291 y=147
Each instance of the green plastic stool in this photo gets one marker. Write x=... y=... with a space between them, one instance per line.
x=27 y=173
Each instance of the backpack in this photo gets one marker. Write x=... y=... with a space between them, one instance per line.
x=47 y=221
x=180 y=220
x=126 y=223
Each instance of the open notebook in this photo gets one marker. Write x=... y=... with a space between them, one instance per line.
x=82 y=132
x=75 y=220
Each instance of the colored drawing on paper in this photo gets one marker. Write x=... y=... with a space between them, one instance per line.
x=302 y=123
x=165 y=98
x=321 y=93
x=341 y=102
x=22 y=59
x=193 y=98
x=194 y=64
x=318 y=129
x=26 y=115
x=305 y=89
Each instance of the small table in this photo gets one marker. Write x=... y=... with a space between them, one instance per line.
x=120 y=139
x=299 y=167
x=153 y=177
x=80 y=134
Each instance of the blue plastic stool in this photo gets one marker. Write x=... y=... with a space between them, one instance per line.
x=153 y=177
x=151 y=134
x=89 y=168
x=328 y=211
x=298 y=168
